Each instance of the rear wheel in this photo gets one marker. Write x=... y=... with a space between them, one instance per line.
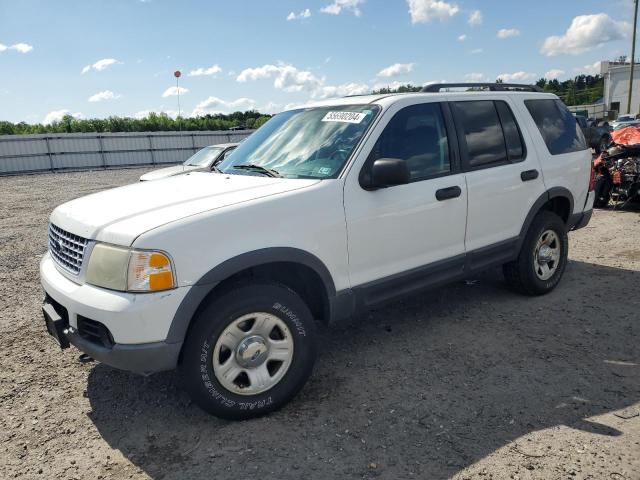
x=542 y=258
x=249 y=352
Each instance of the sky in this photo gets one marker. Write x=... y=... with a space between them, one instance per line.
x=97 y=58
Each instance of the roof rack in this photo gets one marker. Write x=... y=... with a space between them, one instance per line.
x=493 y=87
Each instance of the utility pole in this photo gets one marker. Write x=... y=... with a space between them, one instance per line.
x=178 y=74
x=633 y=55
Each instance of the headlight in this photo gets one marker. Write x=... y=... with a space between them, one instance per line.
x=131 y=270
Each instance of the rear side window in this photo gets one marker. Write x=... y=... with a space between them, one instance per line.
x=489 y=133
x=557 y=125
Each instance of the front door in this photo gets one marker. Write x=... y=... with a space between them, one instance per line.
x=401 y=236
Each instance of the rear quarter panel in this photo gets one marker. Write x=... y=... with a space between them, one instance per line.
x=570 y=170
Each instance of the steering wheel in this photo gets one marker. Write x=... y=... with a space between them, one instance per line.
x=340 y=151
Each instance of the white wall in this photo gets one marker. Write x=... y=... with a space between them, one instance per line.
x=617 y=86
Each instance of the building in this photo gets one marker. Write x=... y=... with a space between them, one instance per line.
x=616 y=87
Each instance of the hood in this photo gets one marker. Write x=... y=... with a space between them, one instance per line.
x=167 y=172
x=122 y=214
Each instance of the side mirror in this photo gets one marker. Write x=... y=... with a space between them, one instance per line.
x=386 y=172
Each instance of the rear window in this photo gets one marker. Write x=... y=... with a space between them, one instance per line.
x=557 y=126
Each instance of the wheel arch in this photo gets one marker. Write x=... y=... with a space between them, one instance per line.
x=311 y=279
x=558 y=200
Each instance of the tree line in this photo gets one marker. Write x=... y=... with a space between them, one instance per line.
x=581 y=90
x=154 y=122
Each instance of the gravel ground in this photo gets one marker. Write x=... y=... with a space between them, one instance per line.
x=468 y=381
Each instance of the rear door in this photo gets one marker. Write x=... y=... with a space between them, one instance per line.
x=503 y=175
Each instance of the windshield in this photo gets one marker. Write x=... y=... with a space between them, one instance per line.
x=307 y=143
x=625 y=118
x=203 y=157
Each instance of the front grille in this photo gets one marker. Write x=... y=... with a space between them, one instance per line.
x=66 y=249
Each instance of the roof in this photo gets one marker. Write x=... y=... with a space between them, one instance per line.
x=386 y=100
x=224 y=145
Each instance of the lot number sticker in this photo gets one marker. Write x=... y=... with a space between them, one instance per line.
x=345 y=117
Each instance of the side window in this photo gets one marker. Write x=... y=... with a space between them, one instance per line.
x=416 y=134
x=482 y=140
x=558 y=127
x=512 y=135
x=228 y=153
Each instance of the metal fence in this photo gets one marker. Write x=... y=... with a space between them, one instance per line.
x=66 y=151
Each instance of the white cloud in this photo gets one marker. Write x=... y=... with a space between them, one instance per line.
x=213 y=105
x=21 y=47
x=18 y=47
x=306 y=13
x=423 y=11
x=271 y=108
x=396 y=69
x=475 y=77
x=292 y=106
x=505 y=33
x=286 y=77
x=593 y=69
x=100 y=65
x=173 y=91
x=462 y=38
x=585 y=33
x=199 y=72
x=475 y=18
x=555 y=73
x=391 y=85
x=516 y=77
x=338 y=6
x=105 y=95
x=477 y=50
x=341 y=90
x=57 y=115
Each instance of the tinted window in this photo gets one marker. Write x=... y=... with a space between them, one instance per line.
x=557 y=126
x=480 y=126
x=512 y=135
x=416 y=134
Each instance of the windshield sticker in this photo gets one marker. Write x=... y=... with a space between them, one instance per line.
x=345 y=117
x=324 y=171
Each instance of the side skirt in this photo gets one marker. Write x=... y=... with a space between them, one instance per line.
x=355 y=301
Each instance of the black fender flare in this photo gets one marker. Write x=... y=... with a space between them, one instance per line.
x=199 y=291
x=553 y=192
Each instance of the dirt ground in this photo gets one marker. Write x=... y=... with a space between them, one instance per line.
x=469 y=381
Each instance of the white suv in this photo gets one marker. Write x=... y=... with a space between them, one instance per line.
x=323 y=212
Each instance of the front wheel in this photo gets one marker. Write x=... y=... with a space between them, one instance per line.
x=542 y=258
x=249 y=352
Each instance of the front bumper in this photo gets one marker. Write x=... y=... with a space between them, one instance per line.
x=138 y=324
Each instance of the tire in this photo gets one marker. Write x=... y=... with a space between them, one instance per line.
x=602 y=192
x=210 y=360
x=603 y=143
x=524 y=274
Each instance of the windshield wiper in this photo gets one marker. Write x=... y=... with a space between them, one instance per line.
x=269 y=172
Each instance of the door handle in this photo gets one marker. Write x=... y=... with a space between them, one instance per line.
x=447 y=193
x=529 y=175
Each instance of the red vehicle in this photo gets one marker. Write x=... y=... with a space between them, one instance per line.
x=617 y=169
